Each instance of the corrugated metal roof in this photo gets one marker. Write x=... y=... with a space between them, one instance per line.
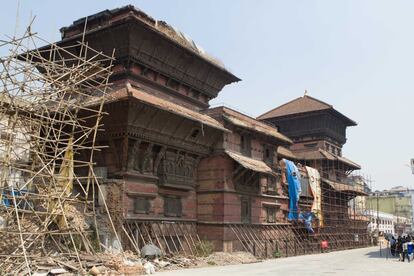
x=250 y=163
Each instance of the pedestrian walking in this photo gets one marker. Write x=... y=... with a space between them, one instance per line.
x=393 y=244
x=410 y=249
x=399 y=247
x=405 y=249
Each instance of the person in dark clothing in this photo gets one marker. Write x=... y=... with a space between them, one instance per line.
x=399 y=248
x=404 y=248
x=393 y=244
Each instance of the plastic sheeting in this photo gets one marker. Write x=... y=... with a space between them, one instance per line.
x=307 y=217
x=315 y=185
x=293 y=179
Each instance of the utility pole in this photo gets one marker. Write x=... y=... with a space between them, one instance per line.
x=378 y=223
x=378 y=213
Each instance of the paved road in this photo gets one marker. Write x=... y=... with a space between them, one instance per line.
x=365 y=261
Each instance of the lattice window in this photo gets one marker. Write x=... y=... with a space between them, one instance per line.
x=172 y=206
x=268 y=155
x=195 y=133
x=141 y=205
x=271 y=214
x=245 y=210
x=245 y=145
x=271 y=185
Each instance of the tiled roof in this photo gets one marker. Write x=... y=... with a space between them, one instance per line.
x=345 y=188
x=298 y=105
x=250 y=163
x=244 y=121
x=286 y=153
x=301 y=105
x=320 y=154
x=168 y=106
x=119 y=14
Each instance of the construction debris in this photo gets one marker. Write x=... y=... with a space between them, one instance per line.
x=97 y=264
x=223 y=258
x=150 y=250
x=216 y=258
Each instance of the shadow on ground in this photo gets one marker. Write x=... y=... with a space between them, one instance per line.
x=385 y=253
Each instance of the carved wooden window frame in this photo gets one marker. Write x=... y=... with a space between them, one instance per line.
x=269 y=154
x=144 y=208
x=271 y=187
x=245 y=144
x=194 y=133
x=245 y=210
x=271 y=214
x=174 y=202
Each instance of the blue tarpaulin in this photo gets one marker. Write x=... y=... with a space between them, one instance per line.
x=7 y=198
x=307 y=220
x=293 y=179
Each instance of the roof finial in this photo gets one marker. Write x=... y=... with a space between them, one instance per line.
x=306 y=93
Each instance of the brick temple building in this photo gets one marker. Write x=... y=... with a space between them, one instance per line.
x=154 y=130
x=175 y=172
x=318 y=132
x=242 y=179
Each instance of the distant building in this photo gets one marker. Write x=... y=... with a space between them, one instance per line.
x=385 y=222
x=397 y=201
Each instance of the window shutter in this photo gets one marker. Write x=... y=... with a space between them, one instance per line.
x=179 y=207
x=141 y=205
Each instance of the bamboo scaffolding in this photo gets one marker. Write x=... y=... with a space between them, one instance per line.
x=51 y=106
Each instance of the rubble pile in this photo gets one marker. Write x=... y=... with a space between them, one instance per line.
x=96 y=264
x=224 y=258
x=126 y=263
x=216 y=258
